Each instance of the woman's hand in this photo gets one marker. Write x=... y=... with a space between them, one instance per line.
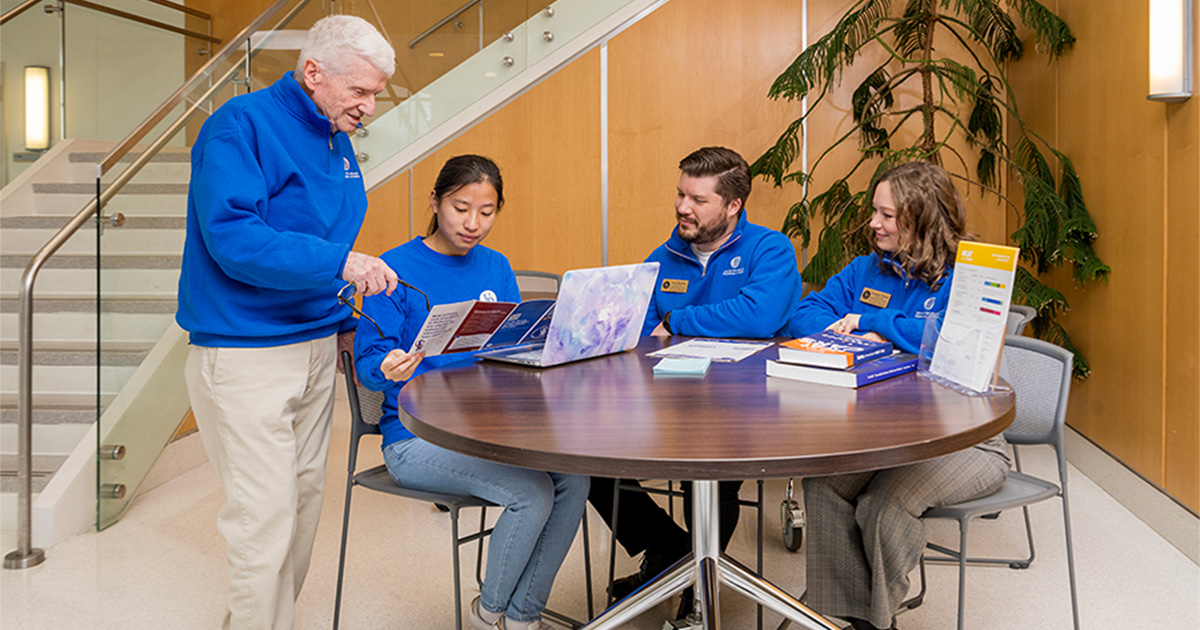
x=399 y=365
x=845 y=325
x=848 y=324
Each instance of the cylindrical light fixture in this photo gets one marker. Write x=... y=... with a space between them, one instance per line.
x=37 y=108
x=1170 y=50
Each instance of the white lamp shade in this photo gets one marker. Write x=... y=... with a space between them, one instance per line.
x=37 y=108
x=1170 y=50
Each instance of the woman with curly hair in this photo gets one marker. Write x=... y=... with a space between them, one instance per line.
x=865 y=534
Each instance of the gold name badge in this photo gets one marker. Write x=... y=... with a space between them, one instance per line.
x=875 y=297
x=674 y=286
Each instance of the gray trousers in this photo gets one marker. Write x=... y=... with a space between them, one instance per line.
x=865 y=534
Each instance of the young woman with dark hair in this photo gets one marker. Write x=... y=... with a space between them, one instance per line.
x=542 y=510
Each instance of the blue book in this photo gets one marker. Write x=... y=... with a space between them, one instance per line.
x=873 y=371
x=830 y=349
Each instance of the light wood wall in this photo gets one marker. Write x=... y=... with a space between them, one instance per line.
x=1139 y=162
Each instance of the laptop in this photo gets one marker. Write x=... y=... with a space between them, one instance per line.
x=599 y=311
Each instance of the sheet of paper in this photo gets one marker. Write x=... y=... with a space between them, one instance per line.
x=972 y=335
x=716 y=350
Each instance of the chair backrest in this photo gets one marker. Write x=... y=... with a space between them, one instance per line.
x=1019 y=317
x=1040 y=373
x=366 y=408
x=537 y=282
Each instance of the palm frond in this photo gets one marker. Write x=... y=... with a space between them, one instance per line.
x=993 y=27
x=798 y=222
x=774 y=163
x=871 y=100
x=1053 y=332
x=822 y=62
x=1053 y=35
x=910 y=32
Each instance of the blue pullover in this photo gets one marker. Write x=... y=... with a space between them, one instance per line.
x=482 y=274
x=747 y=290
x=901 y=322
x=275 y=203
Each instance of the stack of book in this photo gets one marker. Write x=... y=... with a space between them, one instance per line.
x=842 y=360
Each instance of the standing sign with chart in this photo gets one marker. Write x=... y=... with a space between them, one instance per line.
x=972 y=334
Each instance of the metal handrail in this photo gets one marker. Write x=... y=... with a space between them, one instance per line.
x=26 y=555
x=442 y=22
x=28 y=4
x=17 y=10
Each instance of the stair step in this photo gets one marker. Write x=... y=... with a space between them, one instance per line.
x=165 y=155
x=44 y=415
x=141 y=222
x=115 y=281
x=109 y=304
x=109 y=261
x=79 y=358
x=47 y=400
x=70 y=328
x=70 y=379
x=89 y=188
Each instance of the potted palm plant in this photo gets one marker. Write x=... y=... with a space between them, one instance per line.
x=959 y=112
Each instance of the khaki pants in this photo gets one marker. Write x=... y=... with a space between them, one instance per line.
x=264 y=416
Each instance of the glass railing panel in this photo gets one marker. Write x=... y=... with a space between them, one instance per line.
x=32 y=38
x=549 y=27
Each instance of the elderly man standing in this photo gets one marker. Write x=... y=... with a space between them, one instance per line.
x=275 y=203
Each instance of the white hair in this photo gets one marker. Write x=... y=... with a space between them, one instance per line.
x=335 y=40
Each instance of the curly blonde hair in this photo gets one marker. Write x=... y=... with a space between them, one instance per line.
x=931 y=220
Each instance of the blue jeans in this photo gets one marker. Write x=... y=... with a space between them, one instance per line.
x=542 y=511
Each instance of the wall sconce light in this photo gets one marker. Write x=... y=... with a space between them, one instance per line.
x=37 y=108
x=1170 y=50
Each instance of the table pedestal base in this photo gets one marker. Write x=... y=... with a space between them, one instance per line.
x=706 y=569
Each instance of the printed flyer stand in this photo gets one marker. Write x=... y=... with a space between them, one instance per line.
x=961 y=347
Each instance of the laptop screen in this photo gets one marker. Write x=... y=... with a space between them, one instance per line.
x=599 y=311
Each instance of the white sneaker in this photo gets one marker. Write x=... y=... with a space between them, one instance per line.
x=476 y=613
x=536 y=624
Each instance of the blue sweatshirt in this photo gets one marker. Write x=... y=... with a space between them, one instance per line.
x=747 y=290
x=901 y=322
x=482 y=274
x=274 y=204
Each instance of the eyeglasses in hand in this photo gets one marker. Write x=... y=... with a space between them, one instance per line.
x=342 y=297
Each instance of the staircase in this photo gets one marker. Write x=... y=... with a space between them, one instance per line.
x=138 y=284
x=142 y=395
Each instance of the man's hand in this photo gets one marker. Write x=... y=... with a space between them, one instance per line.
x=660 y=331
x=399 y=365
x=369 y=274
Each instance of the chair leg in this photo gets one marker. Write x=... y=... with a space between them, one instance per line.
x=612 y=543
x=457 y=573
x=587 y=567
x=479 y=549
x=1062 y=476
x=337 y=599
x=759 y=565
x=962 y=571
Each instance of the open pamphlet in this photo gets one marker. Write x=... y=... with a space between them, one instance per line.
x=474 y=325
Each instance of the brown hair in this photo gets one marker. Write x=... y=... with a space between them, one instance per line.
x=931 y=220
x=730 y=169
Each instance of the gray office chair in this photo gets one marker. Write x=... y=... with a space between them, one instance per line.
x=539 y=282
x=365 y=411
x=1040 y=373
x=1019 y=317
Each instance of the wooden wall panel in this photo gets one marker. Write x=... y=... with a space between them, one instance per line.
x=1181 y=465
x=693 y=73
x=1139 y=162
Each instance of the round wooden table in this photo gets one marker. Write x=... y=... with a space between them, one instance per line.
x=612 y=417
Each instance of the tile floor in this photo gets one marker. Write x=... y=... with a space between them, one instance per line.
x=162 y=567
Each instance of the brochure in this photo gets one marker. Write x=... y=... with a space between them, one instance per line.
x=474 y=325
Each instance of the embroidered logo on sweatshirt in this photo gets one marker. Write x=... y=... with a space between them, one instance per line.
x=487 y=296
x=349 y=173
x=734 y=267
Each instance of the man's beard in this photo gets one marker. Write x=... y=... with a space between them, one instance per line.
x=704 y=234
